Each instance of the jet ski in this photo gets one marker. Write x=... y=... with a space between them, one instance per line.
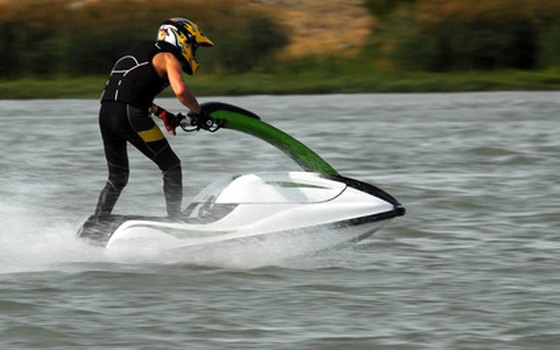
x=313 y=209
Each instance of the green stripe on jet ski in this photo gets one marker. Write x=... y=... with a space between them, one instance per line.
x=286 y=184
x=181 y=233
x=238 y=119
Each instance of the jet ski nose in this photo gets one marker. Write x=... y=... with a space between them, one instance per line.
x=400 y=210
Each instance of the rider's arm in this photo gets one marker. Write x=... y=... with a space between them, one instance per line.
x=166 y=64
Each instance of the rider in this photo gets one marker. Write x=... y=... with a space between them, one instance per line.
x=127 y=106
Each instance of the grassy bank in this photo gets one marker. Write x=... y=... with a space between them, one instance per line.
x=303 y=83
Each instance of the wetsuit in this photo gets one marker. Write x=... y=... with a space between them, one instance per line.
x=125 y=116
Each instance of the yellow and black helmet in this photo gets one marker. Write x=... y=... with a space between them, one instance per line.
x=187 y=36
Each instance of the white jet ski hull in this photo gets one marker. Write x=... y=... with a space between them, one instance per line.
x=299 y=211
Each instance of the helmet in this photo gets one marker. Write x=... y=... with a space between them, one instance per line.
x=187 y=36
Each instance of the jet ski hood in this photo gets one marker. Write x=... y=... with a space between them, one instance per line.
x=270 y=188
x=302 y=199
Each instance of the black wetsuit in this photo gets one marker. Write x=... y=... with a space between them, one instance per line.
x=125 y=116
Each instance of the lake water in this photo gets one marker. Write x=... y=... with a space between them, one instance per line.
x=473 y=264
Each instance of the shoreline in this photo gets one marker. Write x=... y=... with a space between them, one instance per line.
x=304 y=83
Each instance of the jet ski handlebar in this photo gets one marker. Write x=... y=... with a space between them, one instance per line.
x=191 y=122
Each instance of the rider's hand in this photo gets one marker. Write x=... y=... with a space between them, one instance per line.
x=202 y=120
x=183 y=120
x=171 y=121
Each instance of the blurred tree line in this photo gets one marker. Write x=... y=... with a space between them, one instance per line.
x=83 y=37
x=69 y=37
x=446 y=35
